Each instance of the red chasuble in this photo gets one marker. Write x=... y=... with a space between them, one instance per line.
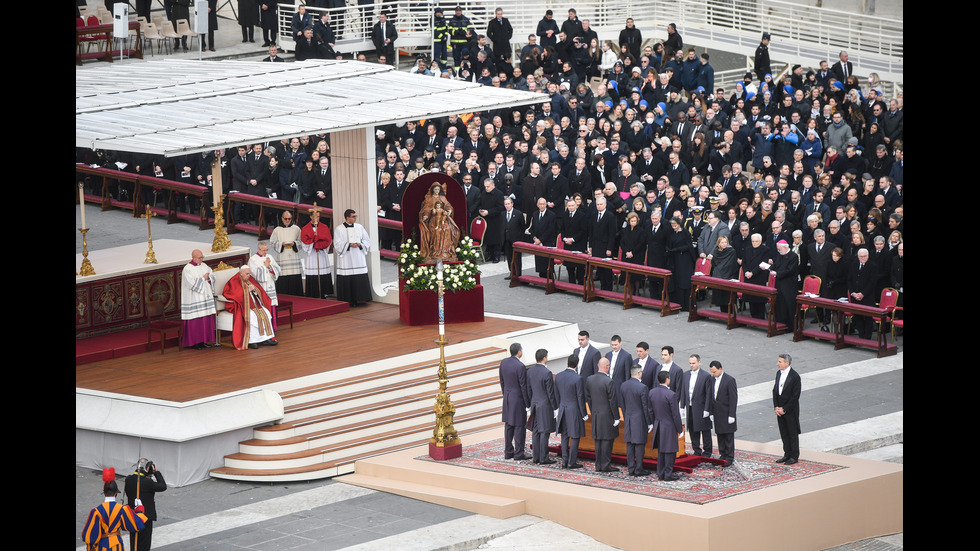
x=240 y=309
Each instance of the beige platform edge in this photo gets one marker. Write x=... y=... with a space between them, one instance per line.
x=859 y=502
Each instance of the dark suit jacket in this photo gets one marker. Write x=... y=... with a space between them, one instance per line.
x=602 y=234
x=390 y=33
x=472 y=202
x=620 y=372
x=545 y=229
x=699 y=399
x=513 y=385
x=725 y=404
x=603 y=399
x=590 y=366
x=570 y=392
x=666 y=416
x=862 y=281
x=819 y=262
x=514 y=230
x=541 y=386
x=789 y=399
x=577 y=228
x=635 y=401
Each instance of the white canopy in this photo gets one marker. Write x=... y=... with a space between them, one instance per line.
x=180 y=107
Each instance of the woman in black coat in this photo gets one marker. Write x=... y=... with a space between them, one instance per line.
x=724 y=265
x=680 y=262
x=754 y=274
x=633 y=246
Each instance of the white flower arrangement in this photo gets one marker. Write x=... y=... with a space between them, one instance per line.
x=459 y=275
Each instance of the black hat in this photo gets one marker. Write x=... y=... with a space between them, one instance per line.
x=549 y=12
x=765 y=36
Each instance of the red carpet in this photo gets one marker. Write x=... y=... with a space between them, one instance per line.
x=128 y=343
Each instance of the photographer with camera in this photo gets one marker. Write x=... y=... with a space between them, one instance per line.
x=141 y=488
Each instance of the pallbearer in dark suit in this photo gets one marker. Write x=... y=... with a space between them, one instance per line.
x=697 y=390
x=723 y=405
x=603 y=401
x=570 y=392
x=588 y=355
x=620 y=361
x=544 y=406
x=786 y=399
x=637 y=421
x=513 y=385
x=667 y=426
x=668 y=365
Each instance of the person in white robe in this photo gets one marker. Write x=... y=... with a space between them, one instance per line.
x=197 y=303
x=351 y=243
x=285 y=246
x=266 y=271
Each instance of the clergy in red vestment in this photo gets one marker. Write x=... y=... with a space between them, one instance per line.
x=316 y=240
x=251 y=308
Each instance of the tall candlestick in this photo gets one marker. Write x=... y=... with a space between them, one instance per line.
x=81 y=201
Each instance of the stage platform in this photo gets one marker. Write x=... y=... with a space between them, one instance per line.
x=833 y=500
x=133 y=341
x=202 y=406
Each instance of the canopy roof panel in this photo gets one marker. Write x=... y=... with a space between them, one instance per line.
x=178 y=107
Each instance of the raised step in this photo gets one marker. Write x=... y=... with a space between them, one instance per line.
x=383 y=393
x=330 y=425
x=324 y=469
x=369 y=441
x=369 y=382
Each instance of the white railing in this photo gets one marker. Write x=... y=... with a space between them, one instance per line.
x=801 y=34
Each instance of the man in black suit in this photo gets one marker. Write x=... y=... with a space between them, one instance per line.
x=383 y=35
x=513 y=232
x=602 y=398
x=570 y=392
x=575 y=237
x=274 y=55
x=580 y=179
x=819 y=255
x=602 y=240
x=861 y=277
x=472 y=198
x=786 y=401
x=541 y=387
x=667 y=426
x=724 y=404
x=544 y=231
x=588 y=355
x=637 y=423
x=649 y=365
x=657 y=252
x=257 y=174
x=620 y=361
x=696 y=392
x=306 y=46
x=517 y=399
x=843 y=68
x=668 y=365
x=491 y=208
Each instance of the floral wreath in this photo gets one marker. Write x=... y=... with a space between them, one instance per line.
x=456 y=276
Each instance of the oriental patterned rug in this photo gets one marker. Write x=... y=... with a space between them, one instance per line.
x=705 y=483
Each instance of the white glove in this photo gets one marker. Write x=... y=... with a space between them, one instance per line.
x=649 y=428
x=616 y=423
x=731 y=420
x=712 y=417
x=706 y=414
x=138 y=502
x=586 y=418
x=555 y=415
x=528 y=411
